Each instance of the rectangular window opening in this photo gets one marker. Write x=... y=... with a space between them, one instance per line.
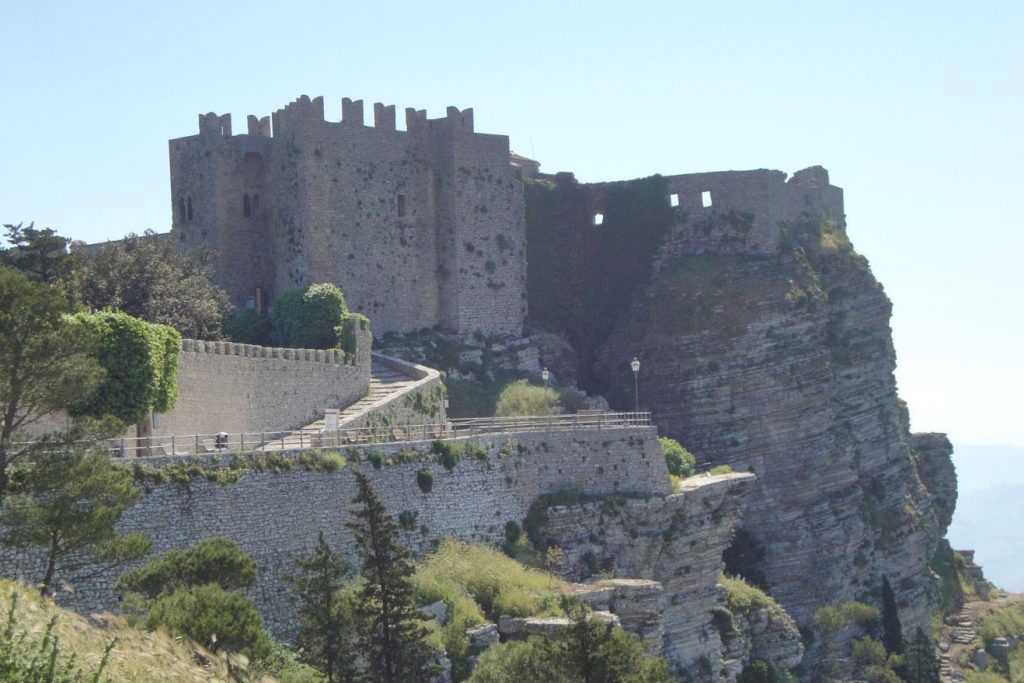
x=705 y=198
x=401 y=205
x=598 y=218
x=673 y=200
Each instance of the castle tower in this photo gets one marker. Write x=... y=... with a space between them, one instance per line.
x=418 y=227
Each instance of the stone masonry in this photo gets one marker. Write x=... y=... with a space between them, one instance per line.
x=418 y=227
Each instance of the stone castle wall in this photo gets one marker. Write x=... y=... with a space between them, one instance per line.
x=418 y=228
x=277 y=517
x=227 y=387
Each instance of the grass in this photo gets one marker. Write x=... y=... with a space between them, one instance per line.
x=742 y=597
x=479 y=584
x=137 y=655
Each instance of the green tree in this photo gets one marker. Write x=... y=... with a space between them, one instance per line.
x=308 y=317
x=828 y=622
x=41 y=254
x=920 y=663
x=680 y=461
x=325 y=614
x=69 y=506
x=43 y=367
x=148 y=277
x=248 y=327
x=391 y=631
x=141 y=364
x=522 y=398
x=892 y=629
x=873 y=663
x=214 y=560
x=219 y=620
x=591 y=651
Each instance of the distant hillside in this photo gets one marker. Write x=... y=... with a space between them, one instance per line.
x=989 y=513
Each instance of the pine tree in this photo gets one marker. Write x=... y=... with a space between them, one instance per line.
x=324 y=638
x=391 y=633
x=921 y=664
x=892 y=629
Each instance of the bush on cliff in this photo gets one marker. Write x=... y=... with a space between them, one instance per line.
x=308 y=317
x=478 y=584
x=680 y=461
x=591 y=651
x=522 y=398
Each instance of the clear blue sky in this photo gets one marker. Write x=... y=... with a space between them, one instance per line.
x=915 y=109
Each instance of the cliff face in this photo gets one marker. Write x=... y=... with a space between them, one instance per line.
x=676 y=540
x=781 y=363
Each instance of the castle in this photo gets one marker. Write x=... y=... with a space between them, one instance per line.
x=420 y=228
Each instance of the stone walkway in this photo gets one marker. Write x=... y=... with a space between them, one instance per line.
x=385 y=383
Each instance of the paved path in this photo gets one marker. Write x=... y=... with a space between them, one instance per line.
x=385 y=382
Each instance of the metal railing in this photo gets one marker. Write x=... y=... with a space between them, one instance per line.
x=302 y=439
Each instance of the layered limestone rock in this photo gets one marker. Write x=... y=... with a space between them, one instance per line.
x=757 y=631
x=782 y=364
x=676 y=540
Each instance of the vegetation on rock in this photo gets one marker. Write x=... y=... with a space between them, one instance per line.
x=680 y=461
x=522 y=398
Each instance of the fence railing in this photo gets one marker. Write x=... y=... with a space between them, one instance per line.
x=301 y=439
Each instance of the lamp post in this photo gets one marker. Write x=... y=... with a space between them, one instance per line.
x=545 y=375
x=635 y=365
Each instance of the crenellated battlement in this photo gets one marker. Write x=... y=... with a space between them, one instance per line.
x=222 y=348
x=384 y=213
x=305 y=110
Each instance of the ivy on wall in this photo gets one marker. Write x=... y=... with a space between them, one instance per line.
x=141 y=364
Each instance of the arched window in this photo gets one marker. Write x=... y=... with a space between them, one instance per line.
x=246 y=206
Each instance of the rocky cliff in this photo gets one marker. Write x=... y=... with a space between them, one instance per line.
x=765 y=344
x=782 y=364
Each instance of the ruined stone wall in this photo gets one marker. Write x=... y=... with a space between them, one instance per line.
x=277 y=517
x=744 y=212
x=365 y=207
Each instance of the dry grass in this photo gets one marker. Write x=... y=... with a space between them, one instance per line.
x=138 y=655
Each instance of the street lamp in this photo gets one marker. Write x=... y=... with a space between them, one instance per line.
x=545 y=375
x=635 y=365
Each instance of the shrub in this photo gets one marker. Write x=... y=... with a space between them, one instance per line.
x=209 y=615
x=522 y=398
x=448 y=454
x=346 y=332
x=248 y=327
x=308 y=317
x=680 y=461
x=141 y=363
x=425 y=480
x=212 y=561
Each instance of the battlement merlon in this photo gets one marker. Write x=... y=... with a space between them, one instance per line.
x=304 y=110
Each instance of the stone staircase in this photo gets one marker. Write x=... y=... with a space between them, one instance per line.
x=385 y=383
x=958 y=635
